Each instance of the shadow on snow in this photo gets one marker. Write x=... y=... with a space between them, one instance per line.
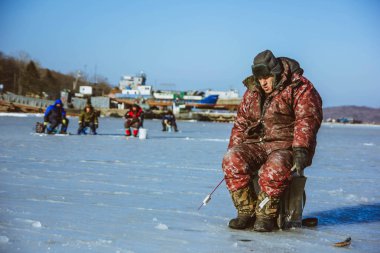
x=348 y=215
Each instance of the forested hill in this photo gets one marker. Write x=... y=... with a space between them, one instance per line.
x=358 y=113
x=24 y=76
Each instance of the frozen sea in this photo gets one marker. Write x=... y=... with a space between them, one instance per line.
x=105 y=193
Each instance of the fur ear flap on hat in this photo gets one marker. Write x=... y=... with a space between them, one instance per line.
x=261 y=70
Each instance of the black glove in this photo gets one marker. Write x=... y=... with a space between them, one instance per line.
x=300 y=158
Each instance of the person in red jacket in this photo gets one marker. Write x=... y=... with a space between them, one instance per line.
x=133 y=119
x=274 y=132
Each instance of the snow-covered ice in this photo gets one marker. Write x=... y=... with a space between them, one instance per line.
x=105 y=193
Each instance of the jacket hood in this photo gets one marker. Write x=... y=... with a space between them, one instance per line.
x=291 y=72
x=58 y=101
x=291 y=67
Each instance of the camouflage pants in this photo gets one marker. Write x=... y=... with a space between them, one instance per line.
x=243 y=161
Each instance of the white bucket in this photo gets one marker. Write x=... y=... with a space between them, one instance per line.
x=143 y=132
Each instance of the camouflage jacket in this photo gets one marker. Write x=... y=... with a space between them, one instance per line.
x=88 y=117
x=288 y=117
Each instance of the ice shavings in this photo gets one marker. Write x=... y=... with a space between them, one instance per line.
x=4 y=239
x=33 y=223
x=36 y=224
x=90 y=243
x=335 y=192
x=161 y=226
x=355 y=198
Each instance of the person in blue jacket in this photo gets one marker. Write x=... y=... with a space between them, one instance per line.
x=168 y=121
x=55 y=115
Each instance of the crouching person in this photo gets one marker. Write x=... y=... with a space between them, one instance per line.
x=54 y=116
x=169 y=121
x=275 y=130
x=133 y=119
x=88 y=118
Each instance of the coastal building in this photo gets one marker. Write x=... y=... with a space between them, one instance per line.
x=134 y=87
x=230 y=94
x=139 y=91
x=131 y=82
x=134 y=90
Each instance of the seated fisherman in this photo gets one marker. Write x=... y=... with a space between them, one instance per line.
x=88 y=118
x=276 y=128
x=169 y=121
x=56 y=115
x=133 y=119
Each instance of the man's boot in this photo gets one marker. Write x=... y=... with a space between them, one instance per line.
x=266 y=211
x=63 y=129
x=245 y=201
x=49 y=130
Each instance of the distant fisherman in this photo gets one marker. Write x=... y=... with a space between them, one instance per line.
x=54 y=116
x=88 y=118
x=134 y=118
x=169 y=121
x=276 y=128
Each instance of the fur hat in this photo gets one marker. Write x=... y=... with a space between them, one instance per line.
x=265 y=64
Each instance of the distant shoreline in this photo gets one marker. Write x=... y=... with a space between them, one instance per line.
x=331 y=124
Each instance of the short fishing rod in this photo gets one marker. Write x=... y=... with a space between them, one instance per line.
x=208 y=197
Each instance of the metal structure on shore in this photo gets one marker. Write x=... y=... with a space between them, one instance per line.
x=199 y=105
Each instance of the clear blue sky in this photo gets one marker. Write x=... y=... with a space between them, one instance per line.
x=202 y=44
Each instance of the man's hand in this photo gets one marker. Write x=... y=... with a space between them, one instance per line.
x=300 y=157
x=96 y=125
x=45 y=123
x=64 y=121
